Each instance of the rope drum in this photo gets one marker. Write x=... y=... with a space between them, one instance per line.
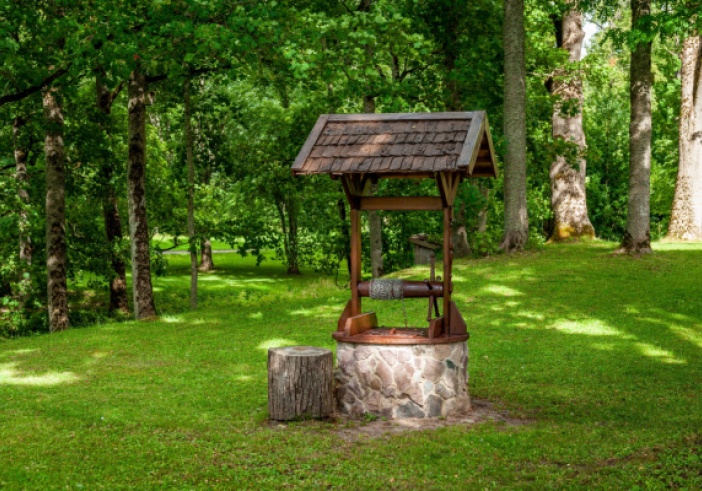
x=385 y=289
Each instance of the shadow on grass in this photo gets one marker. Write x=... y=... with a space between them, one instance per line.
x=601 y=335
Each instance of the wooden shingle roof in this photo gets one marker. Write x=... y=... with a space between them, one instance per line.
x=399 y=145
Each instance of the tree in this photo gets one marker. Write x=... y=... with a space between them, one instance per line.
x=637 y=238
x=686 y=215
x=21 y=152
x=55 y=212
x=192 y=239
x=568 y=201
x=136 y=196
x=113 y=222
x=516 y=217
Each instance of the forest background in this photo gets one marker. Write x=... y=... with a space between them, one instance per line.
x=126 y=126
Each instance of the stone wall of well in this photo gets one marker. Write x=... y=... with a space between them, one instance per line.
x=396 y=382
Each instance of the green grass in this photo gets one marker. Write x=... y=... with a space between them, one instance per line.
x=166 y=242
x=601 y=354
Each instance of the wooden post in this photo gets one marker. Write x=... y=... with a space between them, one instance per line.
x=355 y=260
x=299 y=382
x=447 y=267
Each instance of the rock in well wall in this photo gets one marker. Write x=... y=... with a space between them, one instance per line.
x=397 y=382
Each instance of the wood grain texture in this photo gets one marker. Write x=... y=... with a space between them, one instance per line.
x=393 y=203
x=458 y=325
x=299 y=383
x=401 y=337
x=436 y=328
x=360 y=323
x=472 y=142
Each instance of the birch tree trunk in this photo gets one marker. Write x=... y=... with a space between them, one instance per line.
x=55 y=212
x=637 y=238
x=191 y=193
x=459 y=233
x=110 y=211
x=516 y=217
x=206 y=261
x=568 y=200
x=686 y=216
x=136 y=196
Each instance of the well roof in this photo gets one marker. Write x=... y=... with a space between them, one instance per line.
x=399 y=144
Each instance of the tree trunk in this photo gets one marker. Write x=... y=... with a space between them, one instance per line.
x=516 y=218
x=191 y=193
x=459 y=234
x=686 y=216
x=110 y=211
x=55 y=213
x=21 y=153
x=138 y=227
x=637 y=238
x=206 y=261
x=293 y=253
x=299 y=382
x=22 y=177
x=375 y=225
x=483 y=213
x=567 y=181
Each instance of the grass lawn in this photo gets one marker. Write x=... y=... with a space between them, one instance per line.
x=166 y=242
x=601 y=354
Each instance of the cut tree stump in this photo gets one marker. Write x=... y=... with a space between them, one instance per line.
x=299 y=382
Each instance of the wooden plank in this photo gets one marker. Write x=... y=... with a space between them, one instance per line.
x=344 y=315
x=402 y=116
x=449 y=186
x=355 y=260
x=309 y=143
x=495 y=170
x=436 y=328
x=398 y=203
x=471 y=144
x=400 y=338
x=359 y=324
x=458 y=324
x=447 y=264
x=440 y=183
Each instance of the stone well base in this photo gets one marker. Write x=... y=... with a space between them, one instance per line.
x=396 y=382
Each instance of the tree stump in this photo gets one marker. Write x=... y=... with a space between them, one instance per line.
x=299 y=382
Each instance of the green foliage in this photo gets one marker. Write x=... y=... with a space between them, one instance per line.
x=261 y=74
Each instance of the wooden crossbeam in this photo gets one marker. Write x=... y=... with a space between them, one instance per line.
x=396 y=203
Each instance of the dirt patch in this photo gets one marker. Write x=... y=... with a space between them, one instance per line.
x=481 y=412
x=351 y=430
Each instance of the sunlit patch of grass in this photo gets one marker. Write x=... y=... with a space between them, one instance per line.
x=501 y=290
x=10 y=375
x=659 y=353
x=689 y=334
x=275 y=343
x=588 y=327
